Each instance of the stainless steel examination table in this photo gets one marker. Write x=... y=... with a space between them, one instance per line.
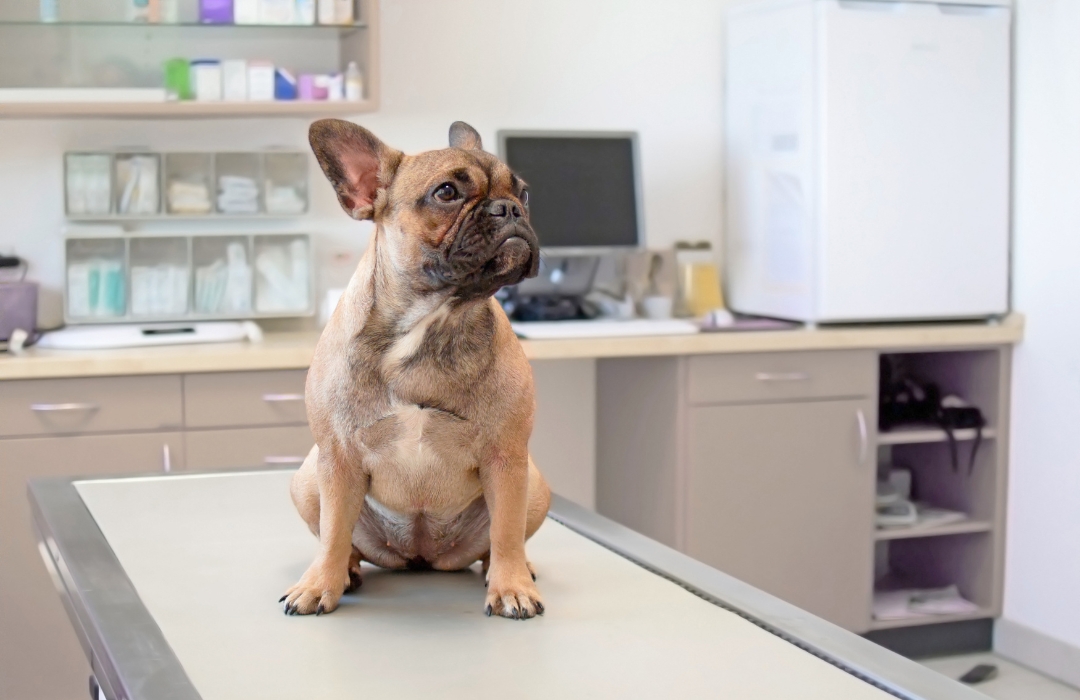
x=172 y=583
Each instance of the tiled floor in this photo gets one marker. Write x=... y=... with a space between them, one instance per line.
x=1013 y=682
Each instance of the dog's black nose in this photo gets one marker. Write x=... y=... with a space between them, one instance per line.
x=504 y=209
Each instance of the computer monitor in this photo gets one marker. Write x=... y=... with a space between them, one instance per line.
x=584 y=188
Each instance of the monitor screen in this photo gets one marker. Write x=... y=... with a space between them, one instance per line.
x=582 y=191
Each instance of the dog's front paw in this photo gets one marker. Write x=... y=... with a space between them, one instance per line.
x=317 y=592
x=513 y=595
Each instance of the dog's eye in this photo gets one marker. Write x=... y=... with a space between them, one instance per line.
x=446 y=192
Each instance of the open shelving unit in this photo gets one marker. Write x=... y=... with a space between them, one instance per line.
x=91 y=48
x=968 y=553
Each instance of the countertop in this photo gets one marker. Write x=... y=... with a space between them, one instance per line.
x=294 y=350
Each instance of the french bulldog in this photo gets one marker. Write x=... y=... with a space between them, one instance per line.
x=419 y=395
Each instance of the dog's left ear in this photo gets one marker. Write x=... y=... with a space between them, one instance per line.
x=357 y=163
x=464 y=136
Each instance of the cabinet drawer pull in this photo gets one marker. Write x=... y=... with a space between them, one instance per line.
x=281 y=398
x=781 y=376
x=283 y=459
x=166 y=458
x=55 y=407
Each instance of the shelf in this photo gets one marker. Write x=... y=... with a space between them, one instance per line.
x=179 y=110
x=922 y=434
x=980 y=614
x=213 y=216
x=964 y=527
x=181 y=25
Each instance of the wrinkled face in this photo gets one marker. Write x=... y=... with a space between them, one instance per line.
x=467 y=218
x=456 y=217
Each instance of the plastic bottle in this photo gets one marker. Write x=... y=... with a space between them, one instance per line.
x=354 y=83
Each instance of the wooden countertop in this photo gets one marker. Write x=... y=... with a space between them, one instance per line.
x=294 y=350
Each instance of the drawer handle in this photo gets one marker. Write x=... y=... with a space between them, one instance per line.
x=864 y=436
x=282 y=398
x=55 y=407
x=283 y=459
x=781 y=376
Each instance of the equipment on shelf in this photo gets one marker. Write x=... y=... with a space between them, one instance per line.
x=907 y=400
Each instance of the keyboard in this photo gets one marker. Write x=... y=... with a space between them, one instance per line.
x=603 y=328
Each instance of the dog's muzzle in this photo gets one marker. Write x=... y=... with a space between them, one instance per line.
x=496 y=248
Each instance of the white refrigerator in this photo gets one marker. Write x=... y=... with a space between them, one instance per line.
x=867 y=159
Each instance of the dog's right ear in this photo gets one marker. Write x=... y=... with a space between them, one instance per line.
x=357 y=163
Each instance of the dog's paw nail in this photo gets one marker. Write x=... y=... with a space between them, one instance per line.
x=282 y=598
x=320 y=611
x=539 y=608
x=533 y=575
x=487 y=611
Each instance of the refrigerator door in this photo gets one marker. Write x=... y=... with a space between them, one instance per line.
x=914 y=168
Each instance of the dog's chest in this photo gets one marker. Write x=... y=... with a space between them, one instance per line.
x=420 y=459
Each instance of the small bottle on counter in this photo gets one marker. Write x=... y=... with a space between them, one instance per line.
x=354 y=83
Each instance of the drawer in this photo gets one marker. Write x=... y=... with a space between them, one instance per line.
x=780 y=376
x=247 y=447
x=90 y=405
x=244 y=398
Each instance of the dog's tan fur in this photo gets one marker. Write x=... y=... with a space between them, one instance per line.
x=419 y=396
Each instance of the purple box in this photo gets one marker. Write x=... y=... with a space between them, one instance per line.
x=307 y=86
x=216 y=11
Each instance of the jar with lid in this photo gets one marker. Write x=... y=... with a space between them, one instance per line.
x=699 y=279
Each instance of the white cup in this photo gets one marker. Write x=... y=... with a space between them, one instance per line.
x=657 y=307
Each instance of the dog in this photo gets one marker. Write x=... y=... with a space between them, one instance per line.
x=419 y=395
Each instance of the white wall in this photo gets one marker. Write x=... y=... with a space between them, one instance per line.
x=574 y=64
x=1042 y=587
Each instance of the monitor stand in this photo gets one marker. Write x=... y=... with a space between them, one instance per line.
x=557 y=293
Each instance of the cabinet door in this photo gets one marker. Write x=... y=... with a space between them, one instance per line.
x=40 y=657
x=781 y=496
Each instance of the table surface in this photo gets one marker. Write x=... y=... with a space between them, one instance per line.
x=209 y=555
x=295 y=350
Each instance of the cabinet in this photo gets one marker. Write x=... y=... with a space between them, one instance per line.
x=116 y=425
x=777 y=496
x=764 y=465
x=40 y=657
x=758 y=464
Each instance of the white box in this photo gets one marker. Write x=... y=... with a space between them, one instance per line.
x=867 y=159
x=246 y=11
x=234 y=79
x=260 y=81
x=206 y=80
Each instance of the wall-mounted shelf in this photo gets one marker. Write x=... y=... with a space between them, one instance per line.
x=965 y=527
x=107 y=54
x=178 y=110
x=916 y=435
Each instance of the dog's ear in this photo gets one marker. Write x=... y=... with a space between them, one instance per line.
x=464 y=136
x=357 y=163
